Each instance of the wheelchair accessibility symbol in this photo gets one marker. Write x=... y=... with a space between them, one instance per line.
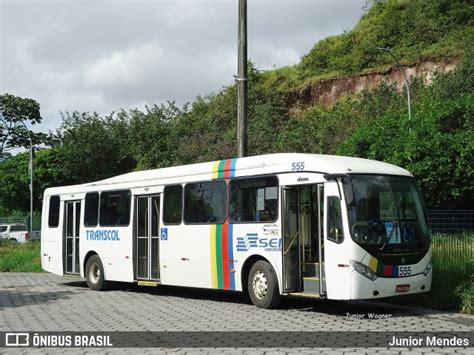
x=164 y=234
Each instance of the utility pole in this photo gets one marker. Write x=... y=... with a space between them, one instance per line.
x=407 y=83
x=30 y=168
x=242 y=82
x=31 y=187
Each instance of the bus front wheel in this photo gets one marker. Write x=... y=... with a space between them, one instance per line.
x=263 y=285
x=95 y=274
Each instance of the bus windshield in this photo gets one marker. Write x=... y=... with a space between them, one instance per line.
x=386 y=213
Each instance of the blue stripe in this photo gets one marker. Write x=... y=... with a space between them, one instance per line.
x=394 y=271
x=230 y=253
x=232 y=167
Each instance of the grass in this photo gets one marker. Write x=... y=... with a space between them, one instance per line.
x=453 y=275
x=20 y=257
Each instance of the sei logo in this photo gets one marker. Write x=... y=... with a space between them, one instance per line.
x=252 y=240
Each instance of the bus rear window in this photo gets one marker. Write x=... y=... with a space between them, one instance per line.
x=115 y=208
x=173 y=204
x=91 y=214
x=53 y=217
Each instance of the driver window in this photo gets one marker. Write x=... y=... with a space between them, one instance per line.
x=335 y=230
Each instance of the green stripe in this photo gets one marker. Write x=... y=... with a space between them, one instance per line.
x=220 y=279
x=380 y=268
x=221 y=169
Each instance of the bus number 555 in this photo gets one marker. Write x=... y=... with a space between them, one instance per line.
x=404 y=270
x=297 y=166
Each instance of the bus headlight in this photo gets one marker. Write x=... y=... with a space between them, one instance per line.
x=364 y=270
x=428 y=269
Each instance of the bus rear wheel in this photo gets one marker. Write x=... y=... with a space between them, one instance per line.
x=263 y=285
x=95 y=274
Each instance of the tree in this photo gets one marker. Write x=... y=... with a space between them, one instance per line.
x=88 y=149
x=15 y=112
x=437 y=146
x=14 y=179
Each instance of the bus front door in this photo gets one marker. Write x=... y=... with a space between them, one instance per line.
x=147 y=241
x=72 y=219
x=337 y=267
x=303 y=242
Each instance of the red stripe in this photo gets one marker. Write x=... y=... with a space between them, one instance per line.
x=225 y=256
x=227 y=168
x=387 y=271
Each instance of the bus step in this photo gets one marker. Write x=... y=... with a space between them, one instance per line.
x=147 y=283
x=305 y=294
x=311 y=269
x=311 y=285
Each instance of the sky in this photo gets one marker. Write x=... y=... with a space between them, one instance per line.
x=107 y=55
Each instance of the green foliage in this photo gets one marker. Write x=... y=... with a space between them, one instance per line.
x=452 y=286
x=15 y=112
x=150 y=135
x=20 y=257
x=437 y=146
x=208 y=131
x=452 y=271
x=88 y=149
x=15 y=179
x=417 y=29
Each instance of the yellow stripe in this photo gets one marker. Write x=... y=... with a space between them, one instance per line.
x=373 y=264
x=302 y=294
x=147 y=283
x=215 y=170
x=213 y=256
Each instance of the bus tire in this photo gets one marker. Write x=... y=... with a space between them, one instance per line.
x=263 y=285
x=95 y=274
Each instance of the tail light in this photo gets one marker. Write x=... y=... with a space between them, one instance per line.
x=27 y=236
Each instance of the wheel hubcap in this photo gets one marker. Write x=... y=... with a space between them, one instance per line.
x=94 y=273
x=259 y=284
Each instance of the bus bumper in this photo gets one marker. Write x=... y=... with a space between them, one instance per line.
x=363 y=288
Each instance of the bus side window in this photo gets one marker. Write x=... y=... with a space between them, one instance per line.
x=91 y=215
x=205 y=202
x=253 y=200
x=172 y=206
x=335 y=230
x=53 y=218
x=115 y=208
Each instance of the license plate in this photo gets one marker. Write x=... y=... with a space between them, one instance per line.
x=402 y=288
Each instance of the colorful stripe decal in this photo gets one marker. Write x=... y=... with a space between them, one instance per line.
x=222 y=253
x=230 y=254
x=219 y=255
x=222 y=248
x=381 y=269
x=213 y=256
x=215 y=170
x=225 y=256
x=223 y=169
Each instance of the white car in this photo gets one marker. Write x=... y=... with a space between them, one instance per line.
x=16 y=232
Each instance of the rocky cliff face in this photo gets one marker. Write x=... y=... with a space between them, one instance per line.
x=328 y=91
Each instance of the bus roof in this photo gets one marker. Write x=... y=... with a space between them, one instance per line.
x=255 y=165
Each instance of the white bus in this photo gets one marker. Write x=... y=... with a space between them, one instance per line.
x=271 y=225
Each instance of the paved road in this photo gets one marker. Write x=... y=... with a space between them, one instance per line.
x=45 y=302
